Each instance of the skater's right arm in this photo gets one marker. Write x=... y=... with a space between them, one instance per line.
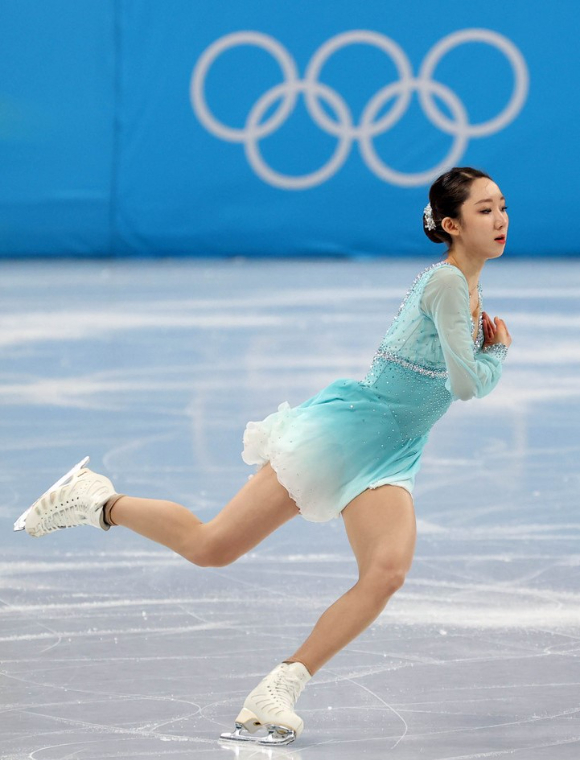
x=445 y=300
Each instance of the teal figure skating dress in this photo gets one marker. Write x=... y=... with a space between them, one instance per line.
x=355 y=435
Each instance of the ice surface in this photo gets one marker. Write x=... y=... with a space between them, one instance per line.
x=111 y=647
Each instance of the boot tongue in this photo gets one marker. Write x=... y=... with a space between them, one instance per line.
x=299 y=671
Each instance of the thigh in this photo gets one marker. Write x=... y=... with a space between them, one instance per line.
x=261 y=506
x=381 y=528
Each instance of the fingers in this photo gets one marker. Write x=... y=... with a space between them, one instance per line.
x=501 y=328
x=488 y=328
x=501 y=324
x=495 y=331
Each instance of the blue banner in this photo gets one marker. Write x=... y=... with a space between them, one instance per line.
x=248 y=127
x=57 y=112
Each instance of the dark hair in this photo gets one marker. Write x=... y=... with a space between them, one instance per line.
x=446 y=196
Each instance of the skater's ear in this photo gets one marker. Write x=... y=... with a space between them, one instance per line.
x=450 y=226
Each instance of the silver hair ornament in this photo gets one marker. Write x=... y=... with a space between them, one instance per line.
x=428 y=214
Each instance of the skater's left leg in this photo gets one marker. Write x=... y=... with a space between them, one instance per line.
x=381 y=528
x=84 y=497
x=259 y=508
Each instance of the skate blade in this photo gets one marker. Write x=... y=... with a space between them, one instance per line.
x=276 y=736
x=20 y=524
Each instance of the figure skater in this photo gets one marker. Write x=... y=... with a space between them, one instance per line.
x=352 y=450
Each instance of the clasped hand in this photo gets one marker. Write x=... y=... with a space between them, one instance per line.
x=495 y=331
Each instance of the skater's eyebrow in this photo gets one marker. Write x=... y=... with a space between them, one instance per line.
x=490 y=200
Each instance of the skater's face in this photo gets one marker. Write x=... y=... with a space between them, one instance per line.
x=481 y=229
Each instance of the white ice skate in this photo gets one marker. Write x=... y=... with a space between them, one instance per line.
x=76 y=499
x=270 y=706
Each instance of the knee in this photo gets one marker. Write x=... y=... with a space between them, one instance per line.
x=383 y=580
x=207 y=550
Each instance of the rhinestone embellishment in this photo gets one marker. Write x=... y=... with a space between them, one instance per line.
x=499 y=350
x=427 y=371
x=428 y=214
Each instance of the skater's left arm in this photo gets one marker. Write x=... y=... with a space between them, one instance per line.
x=446 y=300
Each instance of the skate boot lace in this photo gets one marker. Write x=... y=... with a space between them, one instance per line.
x=286 y=689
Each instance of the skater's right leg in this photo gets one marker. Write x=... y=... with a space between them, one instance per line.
x=261 y=506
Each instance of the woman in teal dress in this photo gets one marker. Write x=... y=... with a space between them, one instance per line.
x=352 y=450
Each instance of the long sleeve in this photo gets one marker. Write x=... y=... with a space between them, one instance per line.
x=445 y=300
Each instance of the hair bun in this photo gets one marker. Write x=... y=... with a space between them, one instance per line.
x=430 y=225
x=431 y=233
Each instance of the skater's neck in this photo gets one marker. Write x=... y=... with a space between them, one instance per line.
x=471 y=268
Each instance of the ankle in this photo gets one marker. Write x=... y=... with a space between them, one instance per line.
x=291 y=662
x=108 y=508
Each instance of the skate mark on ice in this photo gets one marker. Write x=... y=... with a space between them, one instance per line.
x=488 y=726
x=121 y=698
x=115 y=632
x=96 y=727
x=382 y=701
x=504 y=752
x=34 y=754
x=57 y=635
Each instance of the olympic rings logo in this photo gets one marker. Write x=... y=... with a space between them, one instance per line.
x=369 y=126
